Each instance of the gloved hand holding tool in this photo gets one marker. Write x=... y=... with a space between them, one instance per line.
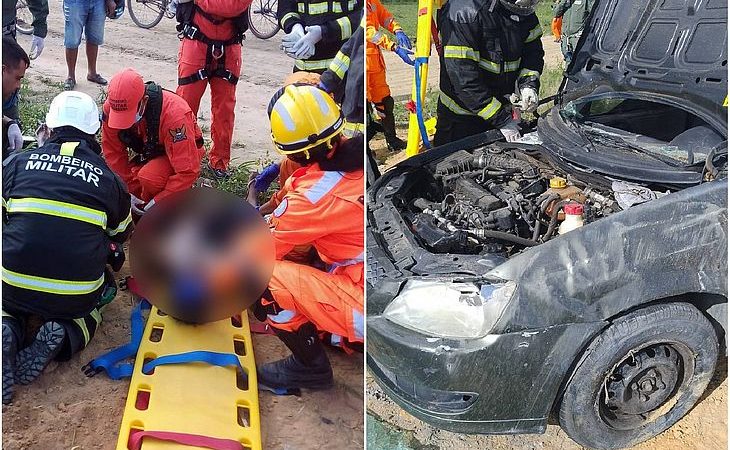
x=136 y=203
x=15 y=137
x=530 y=99
x=404 y=54
x=403 y=39
x=36 y=47
x=511 y=131
x=305 y=47
x=290 y=40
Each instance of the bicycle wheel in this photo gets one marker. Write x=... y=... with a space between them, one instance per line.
x=24 y=20
x=262 y=18
x=146 y=13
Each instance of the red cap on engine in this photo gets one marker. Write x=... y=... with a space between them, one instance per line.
x=574 y=209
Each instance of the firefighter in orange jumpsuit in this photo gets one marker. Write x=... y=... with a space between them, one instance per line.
x=161 y=131
x=324 y=208
x=210 y=53
x=378 y=91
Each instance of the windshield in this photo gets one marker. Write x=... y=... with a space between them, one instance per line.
x=656 y=130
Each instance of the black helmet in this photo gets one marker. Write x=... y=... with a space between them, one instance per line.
x=521 y=7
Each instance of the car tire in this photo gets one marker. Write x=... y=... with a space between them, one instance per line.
x=659 y=359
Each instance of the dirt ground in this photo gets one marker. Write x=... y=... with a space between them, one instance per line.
x=704 y=428
x=65 y=410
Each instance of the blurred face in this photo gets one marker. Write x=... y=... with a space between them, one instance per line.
x=12 y=76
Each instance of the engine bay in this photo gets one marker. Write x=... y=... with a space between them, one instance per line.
x=502 y=199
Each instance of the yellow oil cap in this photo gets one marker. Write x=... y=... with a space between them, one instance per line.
x=558 y=182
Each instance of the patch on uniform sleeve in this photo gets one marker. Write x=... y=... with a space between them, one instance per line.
x=281 y=209
x=178 y=134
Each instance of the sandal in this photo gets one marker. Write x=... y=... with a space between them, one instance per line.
x=69 y=84
x=96 y=78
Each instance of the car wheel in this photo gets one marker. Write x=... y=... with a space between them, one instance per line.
x=639 y=376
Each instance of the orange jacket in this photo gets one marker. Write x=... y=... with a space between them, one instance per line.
x=178 y=131
x=219 y=9
x=324 y=209
x=379 y=17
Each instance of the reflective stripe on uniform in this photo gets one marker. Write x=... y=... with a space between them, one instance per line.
x=81 y=323
x=287 y=16
x=529 y=73
x=358 y=324
x=387 y=22
x=375 y=38
x=96 y=315
x=340 y=64
x=351 y=6
x=491 y=109
x=300 y=7
x=461 y=52
x=352 y=129
x=51 y=285
x=511 y=66
x=534 y=34
x=307 y=65
x=486 y=112
x=336 y=8
x=58 y=209
x=318 y=8
x=489 y=66
x=283 y=316
x=345 y=27
x=122 y=226
x=323 y=186
x=68 y=148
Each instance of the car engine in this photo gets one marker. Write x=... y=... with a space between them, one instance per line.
x=501 y=199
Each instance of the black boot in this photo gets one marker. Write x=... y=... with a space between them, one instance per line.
x=393 y=141
x=34 y=358
x=307 y=367
x=10 y=352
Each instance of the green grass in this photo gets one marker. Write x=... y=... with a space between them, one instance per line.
x=34 y=102
x=405 y=13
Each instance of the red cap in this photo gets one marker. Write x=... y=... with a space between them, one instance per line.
x=126 y=90
x=574 y=209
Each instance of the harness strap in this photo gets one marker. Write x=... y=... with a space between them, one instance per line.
x=192 y=440
x=216 y=53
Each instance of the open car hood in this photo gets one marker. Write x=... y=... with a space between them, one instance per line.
x=676 y=48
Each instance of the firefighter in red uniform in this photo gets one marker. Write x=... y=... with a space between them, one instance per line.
x=210 y=53
x=161 y=131
x=323 y=207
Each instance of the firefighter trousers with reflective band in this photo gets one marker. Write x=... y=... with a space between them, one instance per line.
x=332 y=301
x=79 y=332
x=451 y=127
x=192 y=58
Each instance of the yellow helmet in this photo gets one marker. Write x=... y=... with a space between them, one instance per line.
x=303 y=117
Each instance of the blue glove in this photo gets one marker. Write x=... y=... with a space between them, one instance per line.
x=403 y=40
x=405 y=55
x=266 y=177
x=323 y=87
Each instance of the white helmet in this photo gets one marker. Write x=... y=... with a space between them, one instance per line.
x=521 y=7
x=74 y=109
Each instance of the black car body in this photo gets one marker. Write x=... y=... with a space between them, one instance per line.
x=643 y=103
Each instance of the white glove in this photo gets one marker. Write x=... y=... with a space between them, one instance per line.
x=510 y=131
x=530 y=99
x=15 y=137
x=36 y=47
x=136 y=202
x=304 y=48
x=289 y=40
x=149 y=205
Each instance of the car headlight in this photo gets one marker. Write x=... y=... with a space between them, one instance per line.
x=450 y=309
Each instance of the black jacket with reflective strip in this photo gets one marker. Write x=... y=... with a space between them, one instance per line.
x=488 y=53
x=62 y=207
x=348 y=66
x=338 y=19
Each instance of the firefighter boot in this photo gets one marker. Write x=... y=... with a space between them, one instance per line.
x=393 y=141
x=46 y=346
x=307 y=367
x=10 y=353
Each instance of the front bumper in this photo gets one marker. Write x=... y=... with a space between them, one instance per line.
x=499 y=384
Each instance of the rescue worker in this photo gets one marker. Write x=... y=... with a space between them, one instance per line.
x=323 y=207
x=160 y=129
x=315 y=31
x=15 y=63
x=65 y=215
x=488 y=49
x=574 y=14
x=39 y=10
x=378 y=91
x=210 y=54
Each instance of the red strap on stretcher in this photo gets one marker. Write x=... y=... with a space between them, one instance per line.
x=136 y=436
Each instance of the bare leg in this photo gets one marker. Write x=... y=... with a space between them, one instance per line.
x=91 y=52
x=71 y=56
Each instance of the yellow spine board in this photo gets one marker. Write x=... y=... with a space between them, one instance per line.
x=423 y=50
x=194 y=398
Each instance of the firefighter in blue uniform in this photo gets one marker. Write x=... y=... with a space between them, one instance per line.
x=65 y=215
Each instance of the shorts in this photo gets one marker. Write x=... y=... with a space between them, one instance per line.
x=85 y=16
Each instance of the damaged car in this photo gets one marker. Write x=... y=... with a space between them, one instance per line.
x=580 y=274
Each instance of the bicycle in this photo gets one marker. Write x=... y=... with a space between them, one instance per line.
x=262 y=19
x=24 y=18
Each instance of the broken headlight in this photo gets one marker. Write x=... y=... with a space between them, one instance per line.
x=450 y=309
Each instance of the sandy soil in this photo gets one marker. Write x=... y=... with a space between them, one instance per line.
x=65 y=410
x=704 y=428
